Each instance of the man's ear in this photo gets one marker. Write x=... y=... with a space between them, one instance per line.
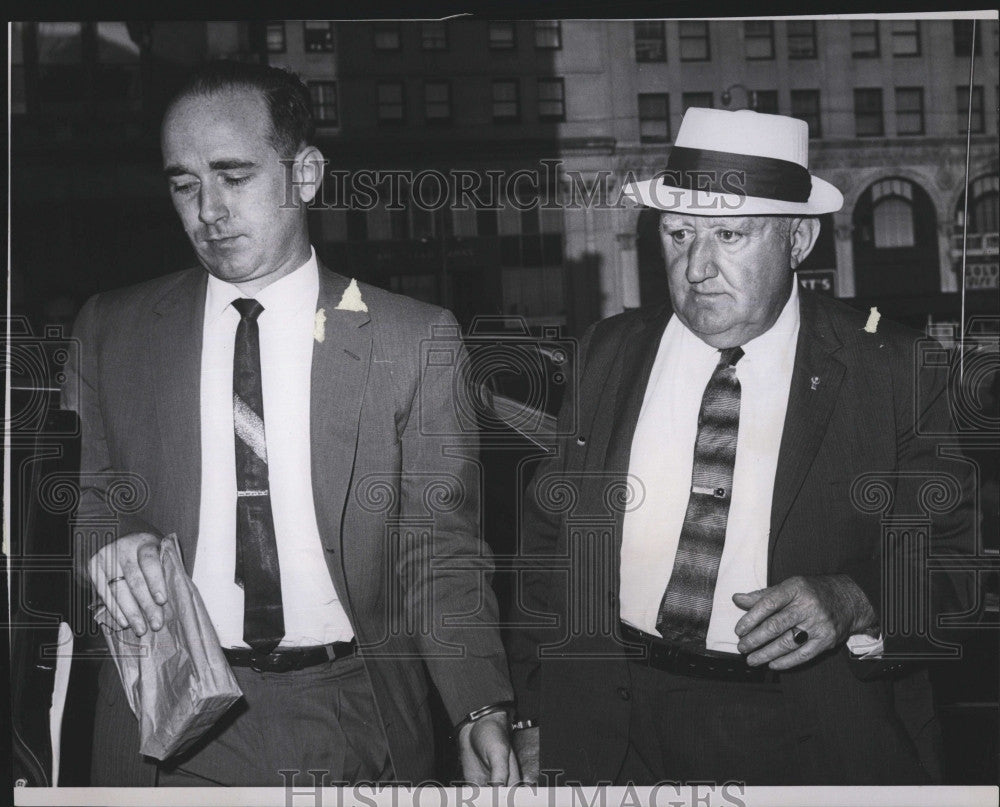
x=802 y=234
x=307 y=173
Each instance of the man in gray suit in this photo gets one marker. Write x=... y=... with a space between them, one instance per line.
x=283 y=425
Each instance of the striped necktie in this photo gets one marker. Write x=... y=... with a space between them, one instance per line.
x=686 y=606
x=257 y=570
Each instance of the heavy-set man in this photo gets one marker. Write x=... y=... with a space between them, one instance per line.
x=722 y=615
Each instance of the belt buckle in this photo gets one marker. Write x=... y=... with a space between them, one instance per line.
x=271 y=662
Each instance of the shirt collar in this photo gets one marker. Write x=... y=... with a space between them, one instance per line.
x=769 y=345
x=287 y=294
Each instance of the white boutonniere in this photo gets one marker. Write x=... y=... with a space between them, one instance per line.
x=350 y=300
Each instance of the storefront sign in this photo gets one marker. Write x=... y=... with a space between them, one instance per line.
x=823 y=281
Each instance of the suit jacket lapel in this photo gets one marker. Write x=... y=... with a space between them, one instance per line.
x=175 y=340
x=816 y=379
x=340 y=366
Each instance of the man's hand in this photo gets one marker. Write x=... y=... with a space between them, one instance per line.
x=128 y=577
x=526 y=745
x=828 y=607
x=485 y=750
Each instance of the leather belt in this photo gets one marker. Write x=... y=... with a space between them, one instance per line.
x=289 y=659
x=672 y=658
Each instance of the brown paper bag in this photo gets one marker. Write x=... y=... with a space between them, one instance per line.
x=177 y=680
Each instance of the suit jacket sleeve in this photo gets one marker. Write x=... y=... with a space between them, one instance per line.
x=97 y=520
x=540 y=532
x=931 y=477
x=446 y=570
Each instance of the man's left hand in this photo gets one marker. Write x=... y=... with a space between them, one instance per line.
x=486 y=753
x=828 y=607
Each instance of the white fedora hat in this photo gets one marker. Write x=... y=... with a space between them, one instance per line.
x=740 y=163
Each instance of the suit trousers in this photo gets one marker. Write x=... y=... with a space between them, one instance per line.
x=319 y=726
x=683 y=729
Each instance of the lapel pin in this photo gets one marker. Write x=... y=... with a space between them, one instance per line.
x=814 y=383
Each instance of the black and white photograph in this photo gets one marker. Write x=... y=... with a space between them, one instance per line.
x=484 y=409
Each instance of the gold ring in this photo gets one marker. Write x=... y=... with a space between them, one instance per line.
x=114 y=580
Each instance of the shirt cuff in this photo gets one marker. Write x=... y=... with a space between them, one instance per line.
x=862 y=645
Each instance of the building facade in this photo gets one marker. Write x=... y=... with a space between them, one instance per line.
x=479 y=164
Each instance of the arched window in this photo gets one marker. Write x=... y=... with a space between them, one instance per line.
x=984 y=207
x=892 y=214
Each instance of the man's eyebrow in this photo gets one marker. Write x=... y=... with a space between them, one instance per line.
x=215 y=165
x=229 y=165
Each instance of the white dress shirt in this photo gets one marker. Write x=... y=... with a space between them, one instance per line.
x=312 y=612
x=662 y=457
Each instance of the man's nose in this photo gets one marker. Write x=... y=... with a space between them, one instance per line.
x=211 y=205
x=701 y=260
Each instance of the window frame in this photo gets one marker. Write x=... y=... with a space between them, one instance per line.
x=516 y=84
x=661 y=38
x=873 y=93
x=706 y=38
x=438 y=120
x=444 y=38
x=811 y=36
x=380 y=105
x=555 y=81
x=648 y=96
x=547 y=27
x=757 y=37
x=874 y=52
x=898 y=35
x=326 y=84
x=495 y=44
x=919 y=91
x=329 y=46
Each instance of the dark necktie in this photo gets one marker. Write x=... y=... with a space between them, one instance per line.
x=256 y=550
x=686 y=606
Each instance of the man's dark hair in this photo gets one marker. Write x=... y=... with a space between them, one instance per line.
x=287 y=98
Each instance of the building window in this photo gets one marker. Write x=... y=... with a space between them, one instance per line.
x=390 y=102
x=892 y=214
x=548 y=34
x=434 y=36
x=650 y=41
x=758 y=38
x=59 y=42
x=502 y=36
x=699 y=99
x=906 y=38
x=437 y=101
x=909 y=110
x=386 y=36
x=864 y=39
x=978 y=123
x=766 y=101
x=805 y=106
x=868 y=113
x=654 y=117
x=551 y=99
x=274 y=36
x=317 y=36
x=324 y=102
x=984 y=207
x=963 y=37
x=694 y=41
x=801 y=39
x=506 y=101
